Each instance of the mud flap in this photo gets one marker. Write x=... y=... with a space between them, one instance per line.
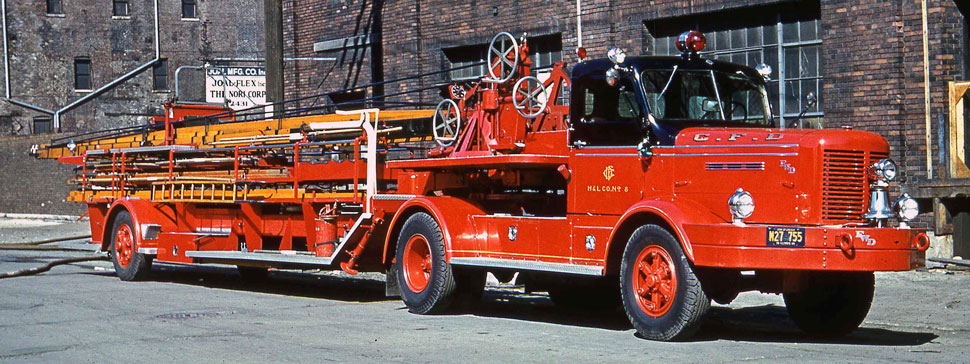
x=391 y=288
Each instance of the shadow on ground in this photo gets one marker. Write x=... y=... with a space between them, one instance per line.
x=767 y=323
x=770 y=323
x=287 y=283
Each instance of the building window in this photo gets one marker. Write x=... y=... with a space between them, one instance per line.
x=160 y=75
x=544 y=51
x=189 y=9
x=54 y=7
x=468 y=62
x=788 y=40
x=42 y=124
x=82 y=73
x=120 y=8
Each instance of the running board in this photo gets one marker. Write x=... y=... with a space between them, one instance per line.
x=586 y=270
x=291 y=260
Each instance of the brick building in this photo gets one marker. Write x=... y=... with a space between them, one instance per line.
x=60 y=50
x=863 y=59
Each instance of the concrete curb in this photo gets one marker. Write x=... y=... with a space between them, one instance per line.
x=66 y=218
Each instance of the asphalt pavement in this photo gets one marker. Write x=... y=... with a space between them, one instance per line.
x=208 y=314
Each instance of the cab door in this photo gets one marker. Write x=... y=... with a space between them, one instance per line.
x=607 y=174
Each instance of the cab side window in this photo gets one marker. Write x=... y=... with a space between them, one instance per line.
x=608 y=115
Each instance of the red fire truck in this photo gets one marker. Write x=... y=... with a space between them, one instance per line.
x=662 y=182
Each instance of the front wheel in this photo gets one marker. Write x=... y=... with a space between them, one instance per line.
x=831 y=304
x=129 y=264
x=661 y=295
x=428 y=282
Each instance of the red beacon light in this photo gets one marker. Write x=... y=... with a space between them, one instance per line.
x=689 y=43
x=581 y=52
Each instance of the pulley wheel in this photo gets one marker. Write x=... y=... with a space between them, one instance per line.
x=446 y=122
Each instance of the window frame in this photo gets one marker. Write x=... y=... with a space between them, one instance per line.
x=463 y=56
x=780 y=82
x=195 y=9
x=55 y=7
x=77 y=75
x=42 y=119
x=114 y=8
x=160 y=71
x=603 y=131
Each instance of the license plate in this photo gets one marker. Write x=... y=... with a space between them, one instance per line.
x=786 y=237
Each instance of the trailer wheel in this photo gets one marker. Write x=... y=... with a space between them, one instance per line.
x=429 y=283
x=661 y=295
x=831 y=304
x=129 y=264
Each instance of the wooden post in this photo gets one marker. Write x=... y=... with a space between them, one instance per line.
x=957 y=144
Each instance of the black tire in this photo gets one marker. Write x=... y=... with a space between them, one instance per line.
x=129 y=264
x=675 y=315
x=831 y=304
x=253 y=274
x=434 y=290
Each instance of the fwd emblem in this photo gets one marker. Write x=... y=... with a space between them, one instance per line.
x=865 y=238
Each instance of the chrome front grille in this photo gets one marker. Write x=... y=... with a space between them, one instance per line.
x=844 y=183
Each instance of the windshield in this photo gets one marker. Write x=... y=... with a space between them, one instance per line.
x=705 y=97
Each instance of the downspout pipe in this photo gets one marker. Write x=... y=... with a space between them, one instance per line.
x=57 y=113
x=6 y=62
x=579 y=24
x=116 y=82
x=6 y=67
x=178 y=95
x=926 y=94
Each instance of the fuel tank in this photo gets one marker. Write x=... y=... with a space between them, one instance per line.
x=806 y=177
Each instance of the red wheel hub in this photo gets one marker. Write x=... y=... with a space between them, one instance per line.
x=655 y=281
x=124 y=245
x=417 y=263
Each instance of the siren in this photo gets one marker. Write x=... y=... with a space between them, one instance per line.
x=691 y=42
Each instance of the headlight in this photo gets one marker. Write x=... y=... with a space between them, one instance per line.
x=884 y=169
x=741 y=204
x=906 y=207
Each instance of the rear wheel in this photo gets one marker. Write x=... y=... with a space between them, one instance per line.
x=661 y=295
x=831 y=304
x=129 y=264
x=428 y=281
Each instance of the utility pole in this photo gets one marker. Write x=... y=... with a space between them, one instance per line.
x=273 y=33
